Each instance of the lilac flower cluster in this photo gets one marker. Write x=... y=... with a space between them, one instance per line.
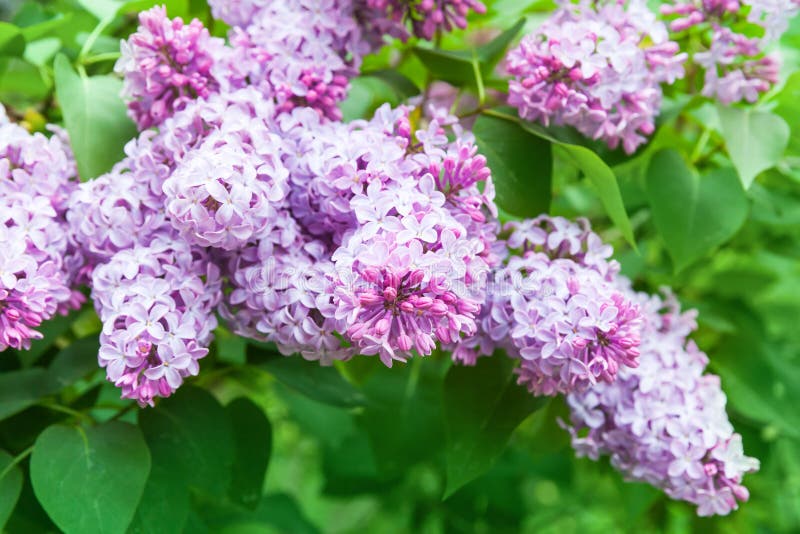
x=392 y=242
x=426 y=17
x=38 y=267
x=596 y=66
x=166 y=64
x=300 y=52
x=556 y=309
x=734 y=64
x=664 y=422
x=156 y=303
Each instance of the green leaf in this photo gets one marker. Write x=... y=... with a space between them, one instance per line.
x=755 y=140
x=10 y=486
x=43 y=29
x=457 y=68
x=323 y=384
x=483 y=405
x=190 y=438
x=21 y=83
x=403 y=417
x=95 y=117
x=493 y=51
x=75 y=361
x=452 y=67
x=277 y=513
x=371 y=90
x=693 y=213
x=252 y=436
x=521 y=163
x=192 y=432
x=12 y=41
x=102 y=9
x=789 y=108
x=21 y=389
x=90 y=480
x=590 y=164
x=605 y=183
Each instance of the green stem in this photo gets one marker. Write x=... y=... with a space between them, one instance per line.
x=99 y=58
x=96 y=32
x=17 y=459
x=65 y=409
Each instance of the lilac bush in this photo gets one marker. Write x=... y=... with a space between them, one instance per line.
x=246 y=205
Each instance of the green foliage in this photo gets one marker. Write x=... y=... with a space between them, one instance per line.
x=260 y=442
x=102 y=469
x=483 y=406
x=521 y=163
x=95 y=117
x=693 y=213
x=754 y=139
x=10 y=486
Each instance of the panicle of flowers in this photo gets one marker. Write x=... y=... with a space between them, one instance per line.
x=301 y=52
x=735 y=64
x=664 y=422
x=166 y=63
x=38 y=266
x=596 y=66
x=556 y=309
x=413 y=270
x=156 y=303
x=426 y=17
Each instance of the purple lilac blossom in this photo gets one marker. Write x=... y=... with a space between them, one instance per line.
x=735 y=65
x=664 y=422
x=301 y=52
x=596 y=66
x=38 y=265
x=426 y=17
x=555 y=308
x=165 y=64
x=156 y=303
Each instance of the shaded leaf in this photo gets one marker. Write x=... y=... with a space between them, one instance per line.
x=10 y=486
x=21 y=389
x=90 y=480
x=190 y=439
x=590 y=164
x=521 y=163
x=252 y=435
x=483 y=405
x=75 y=361
x=12 y=41
x=323 y=384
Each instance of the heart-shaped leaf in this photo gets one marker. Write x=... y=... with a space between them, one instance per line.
x=693 y=213
x=90 y=480
x=755 y=140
